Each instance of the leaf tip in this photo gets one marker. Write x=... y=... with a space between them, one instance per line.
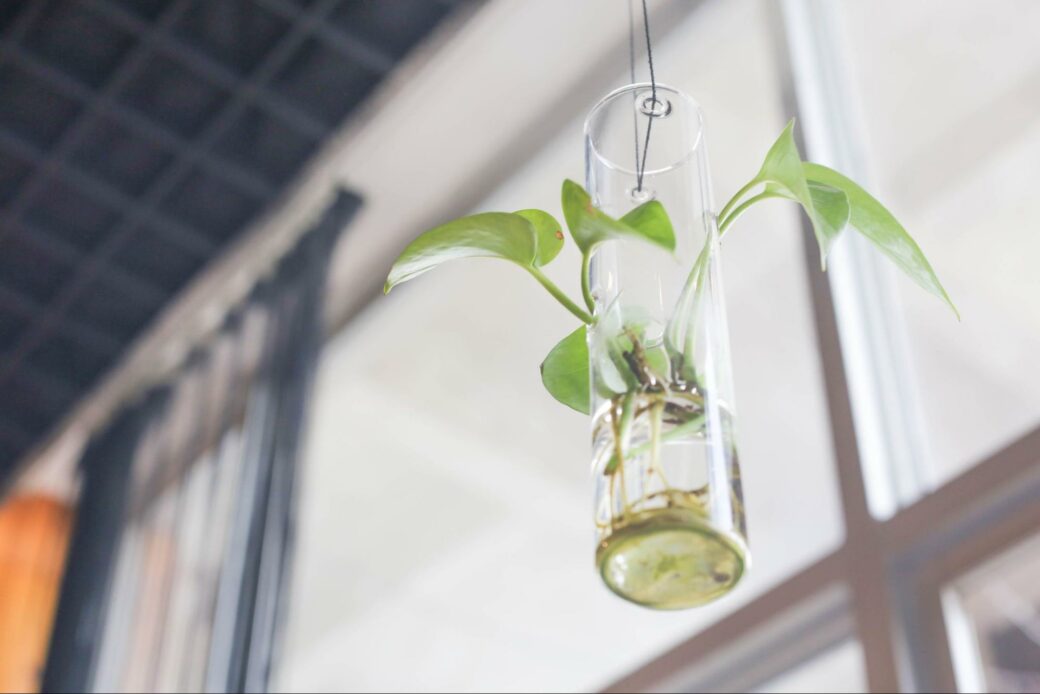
x=825 y=250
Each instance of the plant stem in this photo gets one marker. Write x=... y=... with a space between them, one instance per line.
x=736 y=198
x=558 y=294
x=696 y=287
x=677 y=432
x=585 y=282
x=727 y=221
x=655 y=440
x=620 y=426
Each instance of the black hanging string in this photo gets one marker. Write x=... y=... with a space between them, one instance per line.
x=632 y=78
x=641 y=161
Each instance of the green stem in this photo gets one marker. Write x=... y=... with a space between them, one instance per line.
x=621 y=425
x=736 y=198
x=655 y=413
x=727 y=221
x=675 y=433
x=585 y=282
x=621 y=431
x=558 y=294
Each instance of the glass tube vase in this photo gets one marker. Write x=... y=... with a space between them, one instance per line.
x=668 y=503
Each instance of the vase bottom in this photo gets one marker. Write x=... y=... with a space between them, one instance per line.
x=670 y=559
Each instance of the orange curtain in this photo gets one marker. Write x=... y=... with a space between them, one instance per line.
x=34 y=533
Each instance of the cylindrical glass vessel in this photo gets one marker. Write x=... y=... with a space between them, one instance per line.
x=668 y=503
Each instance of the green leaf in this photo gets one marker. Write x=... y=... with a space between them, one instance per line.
x=870 y=218
x=565 y=372
x=652 y=222
x=832 y=212
x=590 y=226
x=486 y=235
x=548 y=233
x=612 y=338
x=783 y=174
x=628 y=413
x=783 y=166
x=657 y=358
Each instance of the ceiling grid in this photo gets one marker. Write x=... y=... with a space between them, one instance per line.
x=137 y=139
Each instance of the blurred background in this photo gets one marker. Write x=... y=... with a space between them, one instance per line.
x=228 y=463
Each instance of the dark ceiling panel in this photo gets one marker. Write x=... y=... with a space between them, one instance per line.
x=328 y=87
x=39 y=394
x=110 y=311
x=63 y=211
x=66 y=363
x=173 y=95
x=122 y=157
x=27 y=269
x=12 y=324
x=237 y=33
x=393 y=26
x=259 y=141
x=210 y=205
x=13 y=171
x=57 y=37
x=31 y=108
x=137 y=139
x=166 y=264
x=144 y=9
x=34 y=400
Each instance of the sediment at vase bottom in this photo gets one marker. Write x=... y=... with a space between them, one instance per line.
x=669 y=559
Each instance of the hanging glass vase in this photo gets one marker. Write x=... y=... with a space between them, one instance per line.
x=668 y=503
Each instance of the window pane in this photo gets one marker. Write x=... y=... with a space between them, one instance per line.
x=839 y=669
x=993 y=619
x=954 y=147
x=445 y=536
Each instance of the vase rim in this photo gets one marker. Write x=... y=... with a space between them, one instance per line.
x=635 y=87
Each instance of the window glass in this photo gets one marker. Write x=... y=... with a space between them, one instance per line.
x=947 y=98
x=445 y=530
x=993 y=620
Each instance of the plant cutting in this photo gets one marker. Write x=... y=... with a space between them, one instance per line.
x=648 y=359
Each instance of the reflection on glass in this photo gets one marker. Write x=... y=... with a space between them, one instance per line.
x=993 y=619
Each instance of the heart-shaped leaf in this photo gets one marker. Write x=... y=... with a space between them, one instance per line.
x=870 y=218
x=565 y=371
x=486 y=235
x=590 y=226
x=548 y=233
x=652 y=222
